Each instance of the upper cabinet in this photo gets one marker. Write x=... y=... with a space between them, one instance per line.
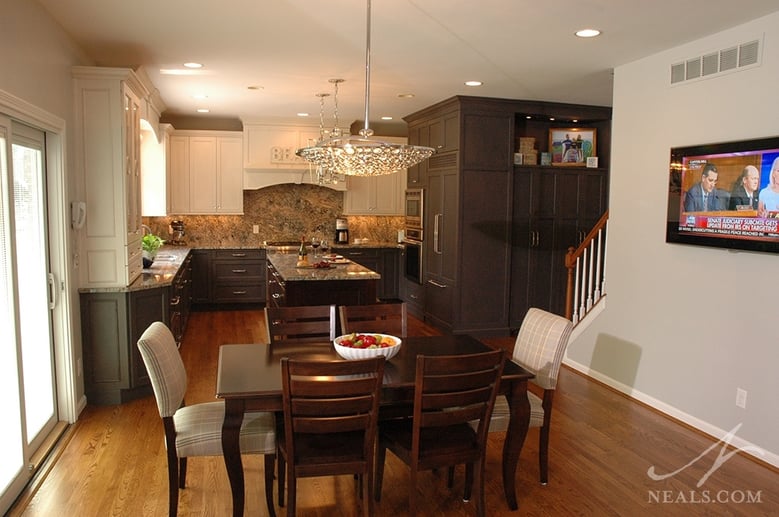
x=269 y=154
x=206 y=173
x=108 y=105
x=273 y=146
x=377 y=195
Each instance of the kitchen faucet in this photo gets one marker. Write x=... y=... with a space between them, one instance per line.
x=146 y=230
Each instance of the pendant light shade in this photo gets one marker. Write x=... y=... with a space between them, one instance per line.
x=362 y=155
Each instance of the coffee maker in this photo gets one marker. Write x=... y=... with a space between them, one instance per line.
x=341 y=231
x=177 y=231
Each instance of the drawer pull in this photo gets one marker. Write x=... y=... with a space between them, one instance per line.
x=433 y=282
x=239 y=292
x=239 y=271
x=238 y=254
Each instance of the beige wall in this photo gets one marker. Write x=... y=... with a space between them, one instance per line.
x=685 y=326
x=35 y=61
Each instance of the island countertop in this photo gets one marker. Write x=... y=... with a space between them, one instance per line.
x=285 y=265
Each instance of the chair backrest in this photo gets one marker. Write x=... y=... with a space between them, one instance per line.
x=541 y=344
x=456 y=389
x=328 y=397
x=301 y=324
x=166 y=369
x=385 y=318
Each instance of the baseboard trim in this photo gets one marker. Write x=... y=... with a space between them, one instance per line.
x=749 y=449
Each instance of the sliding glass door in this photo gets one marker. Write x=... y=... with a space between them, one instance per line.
x=27 y=296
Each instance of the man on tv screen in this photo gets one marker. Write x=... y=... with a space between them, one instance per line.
x=744 y=193
x=704 y=196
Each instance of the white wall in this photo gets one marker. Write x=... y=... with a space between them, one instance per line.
x=36 y=57
x=678 y=331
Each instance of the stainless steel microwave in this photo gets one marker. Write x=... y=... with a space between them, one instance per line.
x=414 y=201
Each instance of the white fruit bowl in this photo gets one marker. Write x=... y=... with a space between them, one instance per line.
x=365 y=353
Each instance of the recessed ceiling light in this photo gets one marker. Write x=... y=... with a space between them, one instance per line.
x=575 y=120
x=200 y=96
x=182 y=71
x=405 y=96
x=588 y=33
x=551 y=119
x=386 y=118
x=193 y=65
x=528 y=117
x=302 y=114
x=203 y=110
x=255 y=87
x=473 y=83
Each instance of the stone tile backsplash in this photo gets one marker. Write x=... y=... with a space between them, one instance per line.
x=282 y=213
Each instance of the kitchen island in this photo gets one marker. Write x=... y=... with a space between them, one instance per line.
x=340 y=284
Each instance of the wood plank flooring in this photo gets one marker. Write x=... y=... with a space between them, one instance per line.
x=602 y=444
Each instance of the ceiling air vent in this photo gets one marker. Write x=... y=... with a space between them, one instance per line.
x=728 y=59
x=748 y=53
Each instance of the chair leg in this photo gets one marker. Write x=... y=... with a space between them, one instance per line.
x=173 y=483
x=479 y=474
x=291 y=494
x=468 y=482
x=182 y=472
x=282 y=475
x=270 y=460
x=543 y=454
x=381 y=455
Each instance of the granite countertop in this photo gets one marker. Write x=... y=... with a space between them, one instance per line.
x=285 y=265
x=161 y=273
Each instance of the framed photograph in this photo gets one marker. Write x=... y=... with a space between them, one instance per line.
x=572 y=146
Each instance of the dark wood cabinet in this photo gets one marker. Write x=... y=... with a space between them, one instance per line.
x=111 y=324
x=229 y=276
x=384 y=261
x=494 y=238
x=554 y=208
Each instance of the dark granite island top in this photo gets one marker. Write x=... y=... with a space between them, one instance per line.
x=285 y=266
x=341 y=284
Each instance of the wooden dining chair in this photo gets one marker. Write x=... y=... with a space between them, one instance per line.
x=301 y=324
x=330 y=416
x=385 y=318
x=196 y=430
x=449 y=393
x=539 y=348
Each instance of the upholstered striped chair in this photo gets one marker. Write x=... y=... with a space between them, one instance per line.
x=539 y=348
x=197 y=430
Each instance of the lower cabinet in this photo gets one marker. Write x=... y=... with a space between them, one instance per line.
x=111 y=325
x=385 y=261
x=228 y=276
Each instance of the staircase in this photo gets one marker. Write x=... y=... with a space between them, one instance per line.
x=586 y=286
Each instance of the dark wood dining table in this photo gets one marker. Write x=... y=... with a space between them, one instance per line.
x=249 y=379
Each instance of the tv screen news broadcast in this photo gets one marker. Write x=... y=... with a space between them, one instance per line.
x=725 y=195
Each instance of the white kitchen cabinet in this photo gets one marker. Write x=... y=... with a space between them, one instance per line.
x=273 y=146
x=377 y=195
x=206 y=172
x=107 y=130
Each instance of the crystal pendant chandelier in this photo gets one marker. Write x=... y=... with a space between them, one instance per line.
x=361 y=155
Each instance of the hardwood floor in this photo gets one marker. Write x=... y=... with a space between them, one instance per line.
x=602 y=444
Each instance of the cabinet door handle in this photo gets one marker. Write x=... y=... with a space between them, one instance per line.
x=239 y=271
x=436 y=228
x=238 y=254
x=436 y=284
x=355 y=253
x=276 y=296
x=175 y=301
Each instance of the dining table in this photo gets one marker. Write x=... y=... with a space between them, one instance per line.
x=249 y=379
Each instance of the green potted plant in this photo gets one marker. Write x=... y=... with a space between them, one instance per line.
x=150 y=244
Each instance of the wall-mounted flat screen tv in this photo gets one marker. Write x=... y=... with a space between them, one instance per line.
x=725 y=195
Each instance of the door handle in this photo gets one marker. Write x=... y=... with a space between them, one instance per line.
x=436 y=228
x=437 y=284
x=52 y=290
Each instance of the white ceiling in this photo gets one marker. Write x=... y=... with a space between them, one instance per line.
x=520 y=49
